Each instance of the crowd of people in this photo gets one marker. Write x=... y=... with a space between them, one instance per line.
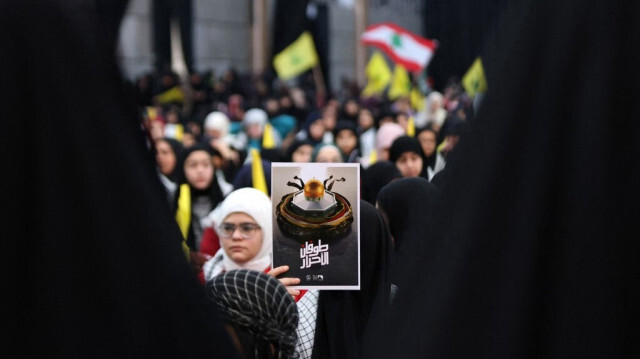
x=207 y=132
x=514 y=239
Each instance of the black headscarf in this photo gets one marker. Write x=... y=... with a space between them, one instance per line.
x=428 y=161
x=346 y=125
x=294 y=147
x=404 y=144
x=407 y=204
x=98 y=269
x=343 y=316
x=177 y=149
x=538 y=257
x=258 y=304
x=377 y=176
x=213 y=192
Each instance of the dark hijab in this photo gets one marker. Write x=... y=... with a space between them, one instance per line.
x=213 y=192
x=92 y=260
x=428 y=161
x=377 y=176
x=177 y=149
x=343 y=316
x=538 y=255
x=407 y=204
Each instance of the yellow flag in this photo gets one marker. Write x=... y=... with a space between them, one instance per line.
x=378 y=75
x=417 y=100
x=268 y=141
x=257 y=173
x=172 y=95
x=373 y=157
x=411 y=127
x=183 y=215
x=401 y=84
x=474 y=81
x=296 y=58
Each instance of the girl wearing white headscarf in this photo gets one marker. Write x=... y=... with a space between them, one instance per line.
x=252 y=235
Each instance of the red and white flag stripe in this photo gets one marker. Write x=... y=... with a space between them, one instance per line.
x=404 y=47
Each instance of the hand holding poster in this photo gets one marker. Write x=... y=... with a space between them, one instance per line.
x=316 y=229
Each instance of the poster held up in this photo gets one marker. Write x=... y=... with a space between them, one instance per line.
x=316 y=223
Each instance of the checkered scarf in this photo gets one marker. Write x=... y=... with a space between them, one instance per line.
x=259 y=303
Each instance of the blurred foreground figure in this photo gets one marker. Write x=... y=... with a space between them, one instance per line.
x=92 y=260
x=537 y=248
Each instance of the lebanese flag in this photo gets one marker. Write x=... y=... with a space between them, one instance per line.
x=404 y=47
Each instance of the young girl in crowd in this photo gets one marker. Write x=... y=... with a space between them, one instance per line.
x=433 y=162
x=198 y=195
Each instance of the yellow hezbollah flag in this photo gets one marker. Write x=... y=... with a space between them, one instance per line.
x=172 y=95
x=474 y=81
x=296 y=58
x=417 y=100
x=401 y=84
x=268 y=141
x=257 y=173
x=378 y=75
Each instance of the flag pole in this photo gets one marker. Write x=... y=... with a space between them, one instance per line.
x=321 y=88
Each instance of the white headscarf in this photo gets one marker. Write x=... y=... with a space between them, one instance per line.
x=257 y=205
x=217 y=121
x=255 y=116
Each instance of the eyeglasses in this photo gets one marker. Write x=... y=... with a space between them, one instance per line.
x=226 y=230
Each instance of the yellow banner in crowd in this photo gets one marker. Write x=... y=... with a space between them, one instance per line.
x=257 y=172
x=474 y=81
x=296 y=58
x=401 y=84
x=378 y=75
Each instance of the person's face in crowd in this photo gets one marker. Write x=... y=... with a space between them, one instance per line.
x=254 y=131
x=328 y=154
x=384 y=154
x=346 y=141
x=302 y=154
x=427 y=141
x=285 y=102
x=298 y=97
x=402 y=120
x=409 y=164
x=316 y=130
x=241 y=237
x=194 y=128
x=173 y=117
x=213 y=133
x=156 y=130
x=167 y=81
x=365 y=119
x=198 y=169
x=329 y=118
x=451 y=142
x=165 y=157
x=188 y=140
x=351 y=108
x=272 y=107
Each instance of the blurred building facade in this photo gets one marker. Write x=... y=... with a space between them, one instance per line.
x=223 y=34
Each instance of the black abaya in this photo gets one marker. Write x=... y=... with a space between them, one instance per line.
x=100 y=271
x=538 y=255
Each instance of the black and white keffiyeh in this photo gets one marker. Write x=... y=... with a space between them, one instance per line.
x=260 y=304
x=308 y=313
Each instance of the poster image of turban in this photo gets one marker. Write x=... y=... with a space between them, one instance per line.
x=316 y=223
